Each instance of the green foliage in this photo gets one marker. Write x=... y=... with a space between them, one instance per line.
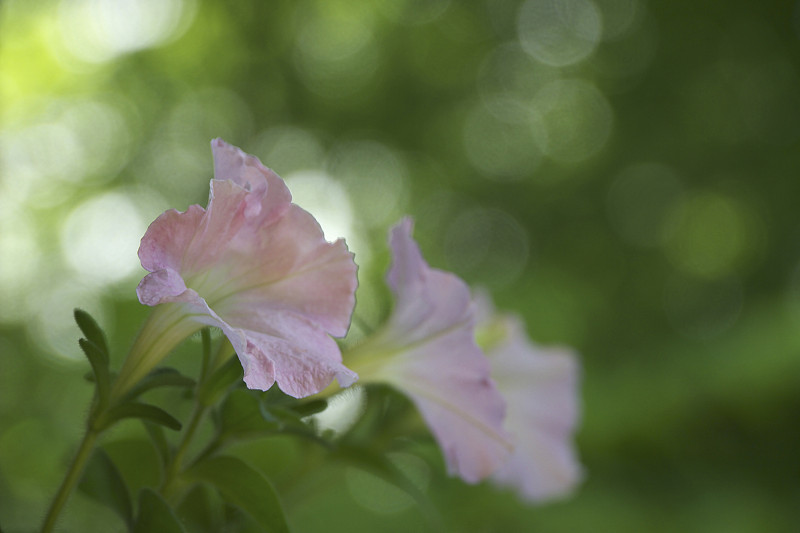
x=143 y=411
x=155 y=515
x=159 y=441
x=101 y=374
x=93 y=332
x=244 y=487
x=160 y=377
x=684 y=374
x=219 y=381
x=240 y=417
x=103 y=482
x=380 y=465
x=95 y=347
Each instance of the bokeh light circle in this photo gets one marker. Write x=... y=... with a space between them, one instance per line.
x=101 y=237
x=710 y=235
x=375 y=178
x=559 y=32
x=319 y=193
x=502 y=139
x=99 y=30
x=289 y=149
x=487 y=246
x=577 y=117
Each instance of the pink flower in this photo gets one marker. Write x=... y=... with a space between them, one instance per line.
x=540 y=387
x=258 y=267
x=427 y=350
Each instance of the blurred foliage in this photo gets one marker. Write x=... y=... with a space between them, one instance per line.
x=621 y=173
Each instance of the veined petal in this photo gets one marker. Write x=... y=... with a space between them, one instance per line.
x=540 y=386
x=293 y=267
x=447 y=378
x=436 y=362
x=230 y=163
x=427 y=300
x=160 y=286
x=166 y=240
x=257 y=266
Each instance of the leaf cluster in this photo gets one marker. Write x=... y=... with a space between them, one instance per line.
x=214 y=482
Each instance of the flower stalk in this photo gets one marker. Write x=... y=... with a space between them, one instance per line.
x=71 y=479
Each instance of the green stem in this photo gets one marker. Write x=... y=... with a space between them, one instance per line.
x=72 y=477
x=168 y=488
x=166 y=326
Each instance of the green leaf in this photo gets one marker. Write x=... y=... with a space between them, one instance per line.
x=203 y=510
x=383 y=417
x=240 y=416
x=159 y=441
x=219 y=381
x=99 y=362
x=380 y=465
x=160 y=377
x=103 y=483
x=92 y=331
x=290 y=423
x=310 y=407
x=138 y=410
x=155 y=515
x=282 y=415
x=244 y=487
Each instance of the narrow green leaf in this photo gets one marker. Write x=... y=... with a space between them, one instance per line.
x=282 y=415
x=155 y=515
x=244 y=487
x=290 y=423
x=310 y=407
x=159 y=441
x=138 y=410
x=99 y=362
x=160 y=377
x=92 y=331
x=103 y=483
x=219 y=381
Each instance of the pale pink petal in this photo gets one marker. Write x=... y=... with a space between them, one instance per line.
x=230 y=163
x=258 y=267
x=295 y=269
x=541 y=390
x=436 y=362
x=427 y=300
x=160 y=286
x=447 y=378
x=166 y=240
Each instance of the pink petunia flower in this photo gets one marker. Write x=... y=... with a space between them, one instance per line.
x=256 y=266
x=540 y=386
x=427 y=350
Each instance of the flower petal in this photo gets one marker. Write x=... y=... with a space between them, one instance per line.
x=160 y=286
x=541 y=388
x=428 y=301
x=435 y=360
x=296 y=270
x=447 y=378
x=230 y=163
x=165 y=242
x=257 y=266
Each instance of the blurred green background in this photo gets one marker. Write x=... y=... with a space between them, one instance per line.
x=622 y=173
